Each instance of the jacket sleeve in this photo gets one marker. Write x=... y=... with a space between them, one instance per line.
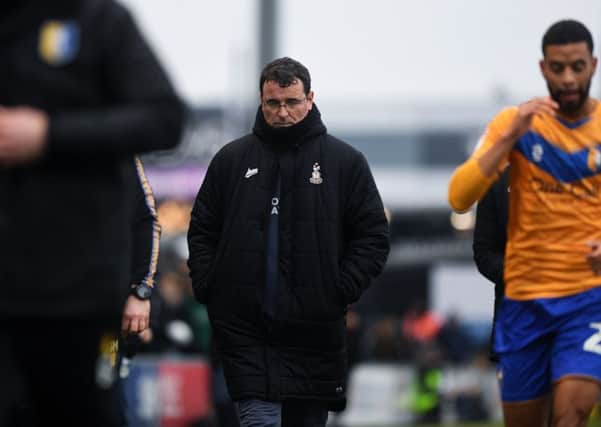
x=140 y=110
x=490 y=235
x=366 y=234
x=146 y=231
x=206 y=223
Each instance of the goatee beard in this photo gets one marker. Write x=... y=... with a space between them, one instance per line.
x=570 y=107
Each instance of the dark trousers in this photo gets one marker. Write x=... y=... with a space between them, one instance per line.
x=291 y=413
x=49 y=370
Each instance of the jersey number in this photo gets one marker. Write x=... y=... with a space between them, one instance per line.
x=593 y=343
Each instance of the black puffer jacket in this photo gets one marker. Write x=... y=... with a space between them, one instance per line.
x=333 y=242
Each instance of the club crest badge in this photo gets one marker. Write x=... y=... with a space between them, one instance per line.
x=316 y=175
x=537 y=153
x=594 y=159
x=58 y=42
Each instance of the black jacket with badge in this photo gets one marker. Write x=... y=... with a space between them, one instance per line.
x=65 y=220
x=333 y=241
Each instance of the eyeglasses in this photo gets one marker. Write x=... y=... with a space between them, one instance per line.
x=288 y=103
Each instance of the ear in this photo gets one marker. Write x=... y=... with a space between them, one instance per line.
x=542 y=66
x=594 y=63
x=310 y=96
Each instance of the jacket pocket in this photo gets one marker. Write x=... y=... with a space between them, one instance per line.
x=314 y=303
x=202 y=291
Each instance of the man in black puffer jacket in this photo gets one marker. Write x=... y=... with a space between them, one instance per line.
x=287 y=230
x=81 y=92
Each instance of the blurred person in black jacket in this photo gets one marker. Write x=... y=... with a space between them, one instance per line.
x=146 y=232
x=287 y=230
x=81 y=93
x=490 y=237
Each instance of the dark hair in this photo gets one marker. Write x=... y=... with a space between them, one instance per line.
x=567 y=31
x=285 y=71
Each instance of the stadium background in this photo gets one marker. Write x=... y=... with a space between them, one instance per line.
x=411 y=84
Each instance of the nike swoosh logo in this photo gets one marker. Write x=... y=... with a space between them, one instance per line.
x=250 y=172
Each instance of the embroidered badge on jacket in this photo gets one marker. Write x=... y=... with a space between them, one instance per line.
x=316 y=175
x=251 y=172
x=59 y=42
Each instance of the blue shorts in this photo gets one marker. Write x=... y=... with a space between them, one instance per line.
x=540 y=341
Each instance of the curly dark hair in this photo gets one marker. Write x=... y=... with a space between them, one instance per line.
x=567 y=31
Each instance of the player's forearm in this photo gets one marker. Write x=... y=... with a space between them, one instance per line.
x=468 y=184
x=471 y=180
x=491 y=161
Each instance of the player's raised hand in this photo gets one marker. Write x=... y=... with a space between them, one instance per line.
x=526 y=112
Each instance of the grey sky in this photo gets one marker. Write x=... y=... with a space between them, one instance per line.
x=374 y=55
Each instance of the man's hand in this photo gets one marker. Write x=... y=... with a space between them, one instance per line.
x=594 y=257
x=23 y=135
x=135 y=315
x=490 y=161
x=526 y=111
x=146 y=335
